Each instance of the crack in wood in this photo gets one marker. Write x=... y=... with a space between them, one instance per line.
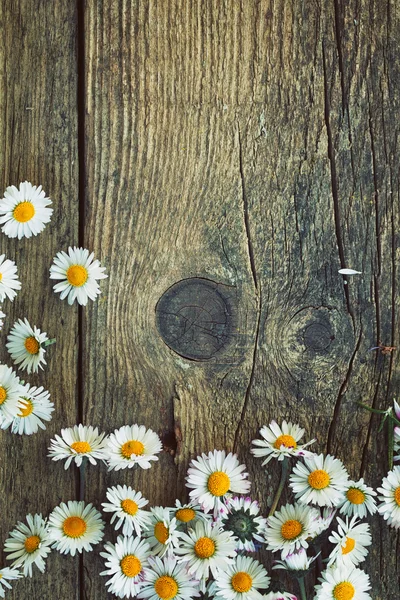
x=342 y=391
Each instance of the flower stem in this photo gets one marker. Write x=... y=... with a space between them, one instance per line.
x=284 y=474
x=49 y=342
x=302 y=589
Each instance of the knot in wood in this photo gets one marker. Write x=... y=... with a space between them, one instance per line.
x=194 y=318
x=318 y=336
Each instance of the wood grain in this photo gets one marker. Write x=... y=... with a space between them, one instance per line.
x=38 y=133
x=252 y=144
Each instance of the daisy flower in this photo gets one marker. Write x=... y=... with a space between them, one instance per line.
x=29 y=544
x=206 y=547
x=125 y=562
x=279 y=596
x=78 y=273
x=75 y=527
x=162 y=533
x=187 y=515
x=8 y=279
x=296 y=561
x=24 y=211
x=351 y=541
x=35 y=408
x=390 y=490
x=2 y=316
x=126 y=506
x=77 y=443
x=289 y=528
x=132 y=445
x=280 y=442
x=241 y=579
x=26 y=346
x=322 y=522
x=358 y=500
x=343 y=583
x=212 y=476
x=7 y=575
x=168 y=580
x=321 y=480
x=10 y=391
x=244 y=521
x=396 y=440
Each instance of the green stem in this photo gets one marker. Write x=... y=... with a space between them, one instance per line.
x=49 y=342
x=302 y=589
x=284 y=474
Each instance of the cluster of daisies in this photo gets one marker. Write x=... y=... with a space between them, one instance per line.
x=25 y=212
x=205 y=547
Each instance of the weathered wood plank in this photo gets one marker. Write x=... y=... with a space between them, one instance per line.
x=38 y=133
x=252 y=144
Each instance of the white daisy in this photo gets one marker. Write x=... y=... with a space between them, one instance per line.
x=396 y=448
x=212 y=476
x=132 y=445
x=24 y=211
x=35 y=408
x=206 y=547
x=242 y=579
x=343 y=583
x=289 y=528
x=126 y=506
x=2 y=316
x=7 y=575
x=162 y=533
x=187 y=515
x=351 y=541
x=78 y=273
x=125 y=562
x=77 y=443
x=245 y=522
x=9 y=284
x=279 y=596
x=75 y=527
x=10 y=392
x=358 y=500
x=322 y=522
x=29 y=544
x=390 y=490
x=280 y=442
x=321 y=480
x=296 y=561
x=168 y=580
x=26 y=346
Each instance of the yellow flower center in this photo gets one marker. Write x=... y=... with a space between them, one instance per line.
x=129 y=506
x=32 y=543
x=74 y=527
x=77 y=275
x=218 y=483
x=130 y=565
x=241 y=582
x=397 y=496
x=3 y=394
x=32 y=345
x=344 y=591
x=355 y=496
x=81 y=447
x=319 y=479
x=161 y=532
x=350 y=543
x=291 y=529
x=285 y=440
x=1 y=276
x=132 y=447
x=204 y=547
x=24 y=211
x=27 y=409
x=185 y=514
x=166 y=587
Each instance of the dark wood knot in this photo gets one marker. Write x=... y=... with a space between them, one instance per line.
x=195 y=318
x=318 y=336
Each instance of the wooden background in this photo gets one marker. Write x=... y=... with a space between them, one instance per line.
x=250 y=142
